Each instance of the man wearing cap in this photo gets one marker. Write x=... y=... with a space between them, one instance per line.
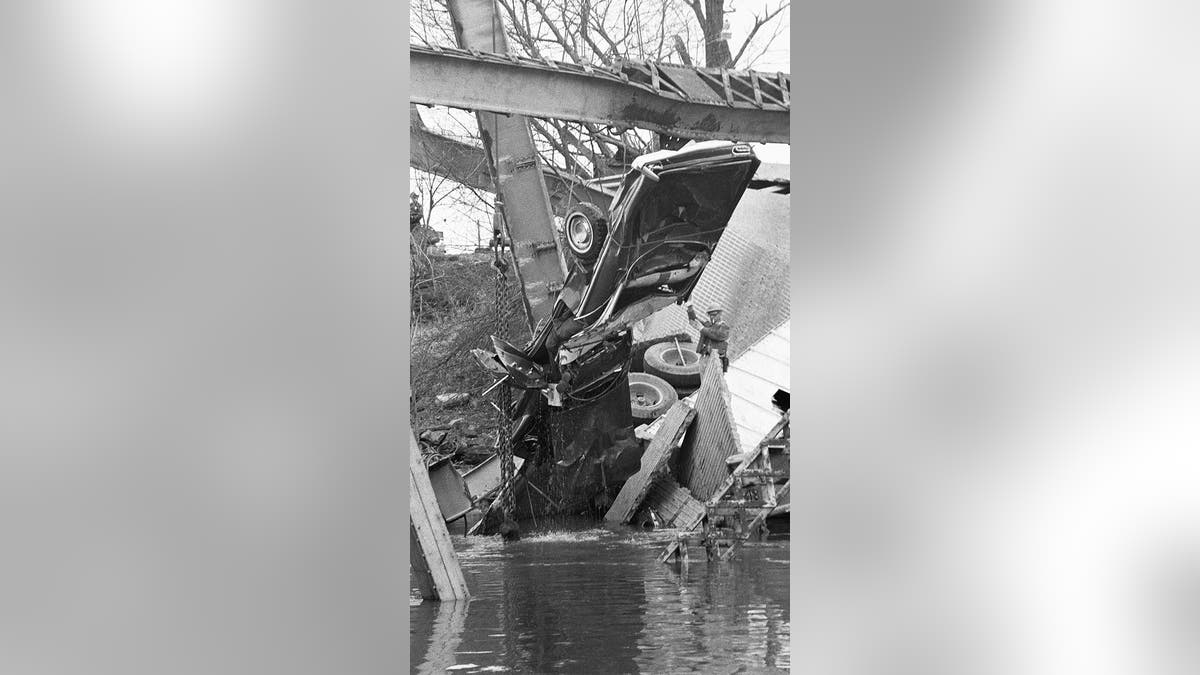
x=714 y=335
x=415 y=210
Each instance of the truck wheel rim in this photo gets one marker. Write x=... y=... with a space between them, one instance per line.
x=649 y=392
x=672 y=356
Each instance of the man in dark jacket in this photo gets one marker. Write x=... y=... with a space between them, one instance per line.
x=415 y=210
x=714 y=335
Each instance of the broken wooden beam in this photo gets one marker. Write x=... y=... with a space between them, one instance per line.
x=730 y=502
x=432 y=556
x=678 y=551
x=667 y=439
x=687 y=532
x=761 y=517
x=673 y=503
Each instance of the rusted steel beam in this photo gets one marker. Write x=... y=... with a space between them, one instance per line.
x=540 y=263
x=701 y=106
x=447 y=157
x=464 y=163
x=566 y=193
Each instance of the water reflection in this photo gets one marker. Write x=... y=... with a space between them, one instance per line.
x=449 y=620
x=597 y=601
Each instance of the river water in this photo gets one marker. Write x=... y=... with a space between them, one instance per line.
x=598 y=601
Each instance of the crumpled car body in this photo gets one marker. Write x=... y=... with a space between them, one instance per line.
x=664 y=224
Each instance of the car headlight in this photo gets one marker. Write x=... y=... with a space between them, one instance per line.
x=580 y=232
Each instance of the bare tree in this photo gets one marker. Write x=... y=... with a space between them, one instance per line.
x=605 y=32
x=454 y=305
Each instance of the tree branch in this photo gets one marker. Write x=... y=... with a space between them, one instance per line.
x=662 y=33
x=564 y=131
x=558 y=145
x=551 y=24
x=759 y=22
x=521 y=31
x=585 y=14
x=616 y=49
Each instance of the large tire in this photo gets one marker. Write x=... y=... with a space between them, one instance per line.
x=585 y=229
x=650 y=397
x=637 y=356
x=663 y=360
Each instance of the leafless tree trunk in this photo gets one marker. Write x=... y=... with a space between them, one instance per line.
x=603 y=32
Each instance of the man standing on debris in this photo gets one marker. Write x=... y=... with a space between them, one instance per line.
x=415 y=211
x=714 y=335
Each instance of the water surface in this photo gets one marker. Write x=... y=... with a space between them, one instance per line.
x=598 y=601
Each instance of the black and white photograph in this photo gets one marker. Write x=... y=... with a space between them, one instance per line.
x=600 y=336
x=618 y=400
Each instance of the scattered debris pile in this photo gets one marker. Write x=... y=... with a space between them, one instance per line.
x=597 y=436
x=654 y=469
x=739 y=510
x=690 y=475
x=700 y=433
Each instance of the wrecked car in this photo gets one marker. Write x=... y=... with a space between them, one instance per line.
x=648 y=251
x=570 y=401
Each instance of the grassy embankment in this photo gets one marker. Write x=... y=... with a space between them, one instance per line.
x=454 y=310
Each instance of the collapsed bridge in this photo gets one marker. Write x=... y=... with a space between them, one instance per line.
x=677 y=102
x=680 y=101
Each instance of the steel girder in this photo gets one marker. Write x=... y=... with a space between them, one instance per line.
x=540 y=264
x=684 y=102
x=464 y=163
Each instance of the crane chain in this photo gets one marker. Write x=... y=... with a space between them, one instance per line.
x=504 y=394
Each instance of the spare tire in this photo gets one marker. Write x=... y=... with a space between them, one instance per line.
x=585 y=229
x=680 y=366
x=650 y=397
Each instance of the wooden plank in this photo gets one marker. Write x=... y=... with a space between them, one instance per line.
x=669 y=436
x=759 y=463
x=432 y=556
x=417 y=562
x=702 y=467
x=751 y=457
x=673 y=502
x=758 y=520
x=715 y=504
x=683 y=527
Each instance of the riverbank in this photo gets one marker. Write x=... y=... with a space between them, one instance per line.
x=454 y=311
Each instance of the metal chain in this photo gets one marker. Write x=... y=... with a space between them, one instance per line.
x=504 y=425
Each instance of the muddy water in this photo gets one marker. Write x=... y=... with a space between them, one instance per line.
x=598 y=601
